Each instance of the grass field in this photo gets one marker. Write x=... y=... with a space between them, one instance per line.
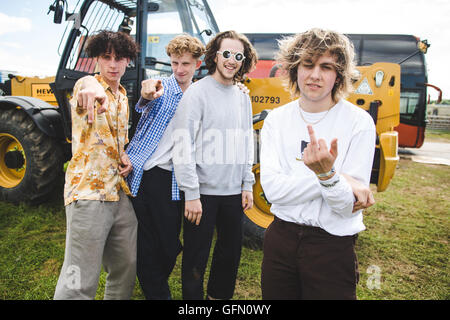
x=403 y=254
x=437 y=136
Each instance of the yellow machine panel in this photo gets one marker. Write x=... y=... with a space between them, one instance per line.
x=380 y=83
x=34 y=87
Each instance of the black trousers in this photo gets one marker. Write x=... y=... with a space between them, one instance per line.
x=307 y=263
x=158 y=238
x=224 y=213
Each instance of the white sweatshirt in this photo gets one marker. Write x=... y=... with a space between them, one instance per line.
x=213 y=140
x=293 y=189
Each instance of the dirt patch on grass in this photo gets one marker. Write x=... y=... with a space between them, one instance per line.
x=50 y=267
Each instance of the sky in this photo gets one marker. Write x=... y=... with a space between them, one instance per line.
x=29 y=39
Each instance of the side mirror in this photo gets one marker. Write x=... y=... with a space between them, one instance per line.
x=58 y=8
x=423 y=46
x=126 y=25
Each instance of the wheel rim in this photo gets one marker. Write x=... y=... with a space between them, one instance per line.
x=10 y=177
x=260 y=213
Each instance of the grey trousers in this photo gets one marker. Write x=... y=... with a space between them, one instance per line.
x=99 y=232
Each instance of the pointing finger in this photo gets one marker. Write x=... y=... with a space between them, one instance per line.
x=84 y=100
x=90 y=109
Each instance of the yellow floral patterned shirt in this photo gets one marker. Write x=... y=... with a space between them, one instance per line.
x=93 y=171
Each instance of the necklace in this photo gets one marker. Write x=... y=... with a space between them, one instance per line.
x=312 y=123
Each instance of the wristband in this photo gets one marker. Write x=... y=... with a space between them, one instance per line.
x=329 y=185
x=326 y=174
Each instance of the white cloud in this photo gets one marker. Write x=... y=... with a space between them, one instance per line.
x=24 y=65
x=13 y=24
x=14 y=45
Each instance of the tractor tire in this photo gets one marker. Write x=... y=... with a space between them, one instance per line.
x=258 y=218
x=31 y=163
x=253 y=236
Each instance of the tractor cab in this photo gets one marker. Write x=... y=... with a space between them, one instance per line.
x=152 y=23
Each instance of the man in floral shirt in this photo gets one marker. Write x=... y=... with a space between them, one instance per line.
x=101 y=223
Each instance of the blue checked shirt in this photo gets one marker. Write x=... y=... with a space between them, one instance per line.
x=154 y=120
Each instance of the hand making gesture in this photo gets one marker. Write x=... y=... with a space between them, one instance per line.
x=151 y=89
x=91 y=93
x=317 y=157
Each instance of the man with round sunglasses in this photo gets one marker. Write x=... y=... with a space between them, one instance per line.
x=213 y=158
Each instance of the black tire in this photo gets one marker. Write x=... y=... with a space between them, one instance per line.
x=258 y=218
x=43 y=164
x=253 y=235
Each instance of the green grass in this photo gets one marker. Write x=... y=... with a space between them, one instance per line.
x=31 y=249
x=407 y=235
x=406 y=240
x=438 y=135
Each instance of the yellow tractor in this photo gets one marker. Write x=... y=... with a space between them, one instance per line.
x=35 y=125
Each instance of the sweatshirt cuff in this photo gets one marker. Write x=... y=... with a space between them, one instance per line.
x=191 y=194
x=247 y=186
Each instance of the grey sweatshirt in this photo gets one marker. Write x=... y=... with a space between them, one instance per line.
x=213 y=140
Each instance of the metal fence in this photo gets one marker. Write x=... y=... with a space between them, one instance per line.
x=438 y=122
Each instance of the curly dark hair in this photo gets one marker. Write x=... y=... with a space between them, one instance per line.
x=106 y=41
x=251 y=57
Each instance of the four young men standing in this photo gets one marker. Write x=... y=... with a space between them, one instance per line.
x=198 y=138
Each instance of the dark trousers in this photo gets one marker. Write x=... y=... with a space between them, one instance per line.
x=307 y=263
x=159 y=224
x=225 y=213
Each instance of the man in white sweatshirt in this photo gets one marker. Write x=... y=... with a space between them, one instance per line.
x=213 y=158
x=316 y=160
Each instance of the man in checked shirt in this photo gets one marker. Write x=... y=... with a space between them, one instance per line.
x=157 y=201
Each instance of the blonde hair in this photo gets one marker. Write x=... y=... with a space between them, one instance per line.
x=185 y=43
x=311 y=45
